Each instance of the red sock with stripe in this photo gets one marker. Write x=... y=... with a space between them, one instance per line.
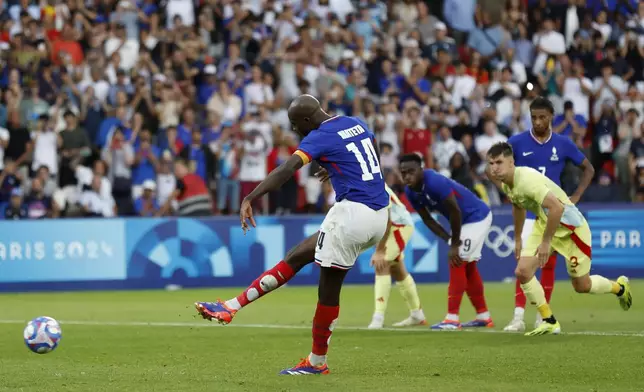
x=548 y=276
x=475 y=289
x=457 y=286
x=323 y=323
x=267 y=282
x=519 y=297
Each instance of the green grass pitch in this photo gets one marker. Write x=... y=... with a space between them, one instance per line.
x=151 y=341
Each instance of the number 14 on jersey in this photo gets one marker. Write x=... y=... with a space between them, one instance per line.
x=372 y=158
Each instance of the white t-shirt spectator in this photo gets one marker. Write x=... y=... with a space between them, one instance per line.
x=4 y=136
x=96 y=204
x=606 y=93
x=444 y=150
x=552 y=42
x=129 y=52
x=485 y=141
x=84 y=177
x=263 y=127
x=184 y=8
x=101 y=88
x=253 y=162
x=504 y=105
x=45 y=151
x=572 y=92
x=461 y=86
x=257 y=93
x=166 y=184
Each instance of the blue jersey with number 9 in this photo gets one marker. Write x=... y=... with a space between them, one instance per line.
x=344 y=146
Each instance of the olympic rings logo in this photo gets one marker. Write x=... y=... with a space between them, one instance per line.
x=500 y=241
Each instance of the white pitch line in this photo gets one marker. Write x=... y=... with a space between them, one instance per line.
x=282 y=326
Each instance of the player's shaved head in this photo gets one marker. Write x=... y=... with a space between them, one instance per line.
x=306 y=114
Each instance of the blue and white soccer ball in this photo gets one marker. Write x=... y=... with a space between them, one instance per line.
x=42 y=335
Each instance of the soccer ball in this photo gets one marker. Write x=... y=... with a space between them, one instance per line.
x=42 y=335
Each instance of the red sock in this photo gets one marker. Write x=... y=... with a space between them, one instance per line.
x=548 y=276
x=519 y=297
x=457 y=286
x=323 y=323
x=475 y=287
x=268 y=281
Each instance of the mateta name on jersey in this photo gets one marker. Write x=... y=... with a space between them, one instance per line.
x=351 y=132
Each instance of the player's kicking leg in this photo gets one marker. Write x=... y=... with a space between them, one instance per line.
x=301 y=255
x=348 y=229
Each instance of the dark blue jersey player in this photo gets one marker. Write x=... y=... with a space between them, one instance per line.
x=470 y=220
x=345 y=148
x=547 y=152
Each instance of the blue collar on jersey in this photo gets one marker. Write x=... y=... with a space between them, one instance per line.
x=537 y=140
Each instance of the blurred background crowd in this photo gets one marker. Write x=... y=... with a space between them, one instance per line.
x=178 y=107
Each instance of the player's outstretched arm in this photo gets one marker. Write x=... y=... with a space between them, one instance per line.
x=277 y=177
x=432 y=225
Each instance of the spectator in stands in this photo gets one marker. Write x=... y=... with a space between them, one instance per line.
x=628 y=130
x=127 y=75
x=16 y=208
x=38 y=204
x=445 y=148
x=91 y=202
x=191 y=195
x=146 y=204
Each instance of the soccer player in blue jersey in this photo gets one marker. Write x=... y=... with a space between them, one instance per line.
x=470 y=220
x=345 y=148
x=547 y=152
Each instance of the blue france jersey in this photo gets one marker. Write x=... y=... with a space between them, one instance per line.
x=436 y=188
x=549 y=158
x=344 y=146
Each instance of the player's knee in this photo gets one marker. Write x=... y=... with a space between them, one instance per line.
x=582 y=285
x=523 y=273
x=383 y=270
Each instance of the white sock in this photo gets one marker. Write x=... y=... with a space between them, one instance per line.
x=483 y=316
x=233 y=304
x=418 y=314
x=518 y=313
x=378 y=316
x=317 y=360
x=452 y=317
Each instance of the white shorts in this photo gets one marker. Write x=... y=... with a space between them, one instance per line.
x=349 y=229
x=473 y=237
x=528 y=226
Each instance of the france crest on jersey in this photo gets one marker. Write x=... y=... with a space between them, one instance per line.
x=549 y=157
x=436 y=188
x=344 y=146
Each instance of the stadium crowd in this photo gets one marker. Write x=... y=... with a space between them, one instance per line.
x=178 y=107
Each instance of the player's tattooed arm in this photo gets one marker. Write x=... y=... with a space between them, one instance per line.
x=277 y=177
x=432 y=225
x=455 y=219
x=588 y=172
